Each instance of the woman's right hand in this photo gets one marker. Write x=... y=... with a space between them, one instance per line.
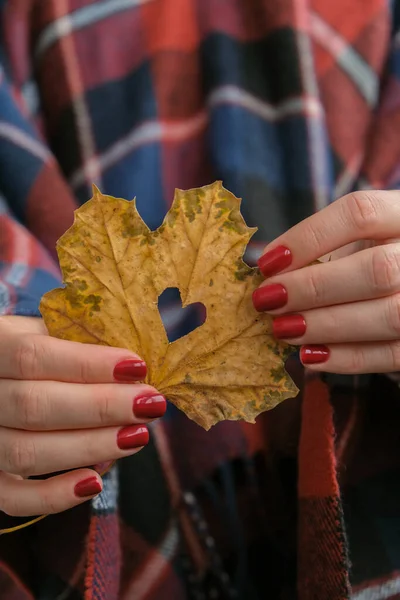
x=65 y=405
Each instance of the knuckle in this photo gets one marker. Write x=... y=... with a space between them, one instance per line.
x=26 y=358
x=394 y=349
x=364 y=210
x=48 y=504
x=315 y=288
x=393 y=317
x=85 y=374
x=21 y=457
x=332 y=325
x=357 y=361
x=315 y=237
x=30 y=406
x=105 y=410
x=385 y=269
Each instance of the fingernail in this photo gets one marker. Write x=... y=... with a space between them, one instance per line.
x=288 y=326
x=150 y=406
x=275 y=261
x=132 y=369
x=88 y=487
x=269 y=297
x=314 y=355
x=133 y=436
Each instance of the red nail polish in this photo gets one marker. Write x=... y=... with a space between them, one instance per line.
x=133 y=436
x=275 y=261
x=314 y=355
x=289 y=326
x=269 y=297
x=132 y=369
x=88 y=487
x=150 y=406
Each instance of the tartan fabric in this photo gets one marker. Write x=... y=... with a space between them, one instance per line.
x=291 y=103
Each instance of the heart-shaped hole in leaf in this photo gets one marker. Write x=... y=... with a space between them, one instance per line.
x=179 y=321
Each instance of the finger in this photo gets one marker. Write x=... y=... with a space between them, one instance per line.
x=38 y=357
x=32 y=453
x=27 y=497
x=357 y=216
x=369 y=321
x=376 y=357
x=51 y=405
x=371 y=273
x=13 y=323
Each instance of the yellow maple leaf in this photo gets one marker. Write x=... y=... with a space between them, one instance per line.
x=115 y=269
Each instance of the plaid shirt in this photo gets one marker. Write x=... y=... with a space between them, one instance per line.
x=292 y=103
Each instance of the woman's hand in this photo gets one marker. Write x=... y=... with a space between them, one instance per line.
x=345 y=313
x=61 y=408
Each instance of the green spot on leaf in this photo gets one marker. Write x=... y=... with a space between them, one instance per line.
x=131 y=225
x=192 y=205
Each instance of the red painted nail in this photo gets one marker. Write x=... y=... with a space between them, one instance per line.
x=88 y=487
x=275 y=261
x=269 y=297
x=150 y=406
x=289 y=326
x=132 y=369
x=133 y=436
x=314 y=355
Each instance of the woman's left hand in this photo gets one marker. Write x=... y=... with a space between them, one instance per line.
x=345 y=313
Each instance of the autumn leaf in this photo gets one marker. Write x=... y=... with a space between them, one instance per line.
x=115 y=269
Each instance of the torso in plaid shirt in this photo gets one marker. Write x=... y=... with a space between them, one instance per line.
x=292 y=103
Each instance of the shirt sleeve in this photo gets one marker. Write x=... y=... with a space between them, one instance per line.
x=26 y=269
x=36 y=205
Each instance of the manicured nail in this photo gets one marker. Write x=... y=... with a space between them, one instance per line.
x=132 y=369
x=275 y=261
x=269 y=297
x=133 y=436
x=314 y=355
x=150 y=406
x=88 y=487
x=288 y=326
